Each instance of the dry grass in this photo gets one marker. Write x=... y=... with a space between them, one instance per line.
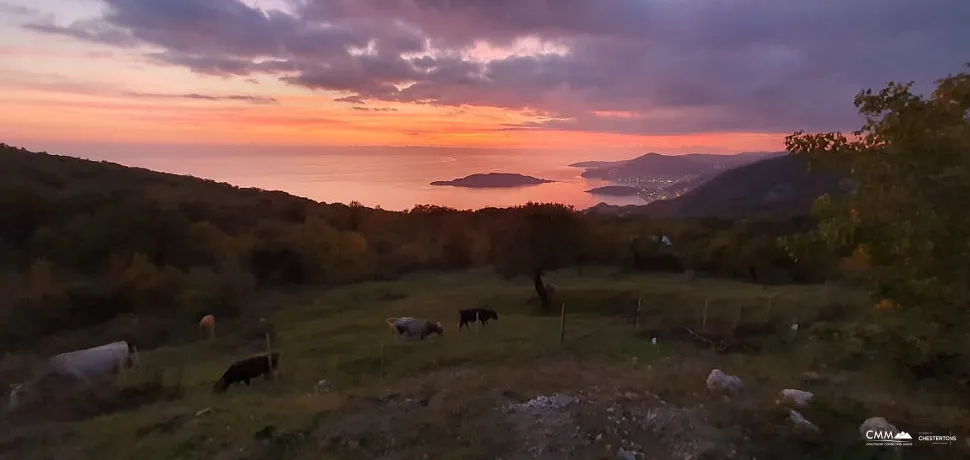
x=441 y=398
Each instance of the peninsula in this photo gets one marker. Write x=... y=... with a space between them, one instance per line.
x=614 y=190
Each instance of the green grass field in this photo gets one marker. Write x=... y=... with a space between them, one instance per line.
x=441 y=398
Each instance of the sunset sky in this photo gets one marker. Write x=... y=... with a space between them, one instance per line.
x=669 y=75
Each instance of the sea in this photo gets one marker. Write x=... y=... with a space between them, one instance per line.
x=393 y=178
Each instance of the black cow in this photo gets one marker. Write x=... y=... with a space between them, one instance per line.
x=475 y=314
x=246 y=370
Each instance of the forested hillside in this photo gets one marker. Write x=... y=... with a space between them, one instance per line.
x=780 y=186
x=85 y=242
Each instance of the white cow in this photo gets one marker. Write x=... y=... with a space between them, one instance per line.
x=414 y=327
x=86 y=365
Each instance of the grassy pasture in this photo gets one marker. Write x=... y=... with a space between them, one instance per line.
x=437 y=397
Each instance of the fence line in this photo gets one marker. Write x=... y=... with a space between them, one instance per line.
x=622 y=323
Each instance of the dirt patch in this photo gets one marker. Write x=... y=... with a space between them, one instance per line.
x=638 y=424
x=609 y=422
x=545 y=426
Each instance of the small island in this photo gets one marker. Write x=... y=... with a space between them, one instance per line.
x=614 y=190
x=493 y=180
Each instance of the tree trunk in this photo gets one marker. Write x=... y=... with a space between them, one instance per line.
x=541 y=290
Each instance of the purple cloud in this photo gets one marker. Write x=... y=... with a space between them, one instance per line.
x=18 y=10
x=92 y=30
x=632 y=66
x=208 y=97
x=374 y=109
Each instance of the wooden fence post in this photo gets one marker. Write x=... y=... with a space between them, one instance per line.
x=269 y=355
x=768 y=308
x=636 y=321
x=704 y=318
x=737 y=320
x=562 y=325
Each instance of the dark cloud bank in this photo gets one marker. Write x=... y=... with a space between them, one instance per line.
x=669 y=66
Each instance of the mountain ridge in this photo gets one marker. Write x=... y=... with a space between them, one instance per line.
x=653 y=164
x=778 y=186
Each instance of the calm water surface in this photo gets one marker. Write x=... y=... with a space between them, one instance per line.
x=395 y=179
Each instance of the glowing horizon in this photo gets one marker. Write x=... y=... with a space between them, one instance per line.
x=346 y=73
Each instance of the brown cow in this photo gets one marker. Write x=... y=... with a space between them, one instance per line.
x=208 y=327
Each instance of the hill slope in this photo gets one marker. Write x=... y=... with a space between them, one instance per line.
x=778 y=186
x=655 y=164
x=730 y=161
x=651 y=164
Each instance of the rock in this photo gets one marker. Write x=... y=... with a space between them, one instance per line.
x=630 y=395
x=626 y=455
x=719 y=381
x=800 y=421
x=876 y=424
x=610 y=410
x=555 y=401
x=798 y=397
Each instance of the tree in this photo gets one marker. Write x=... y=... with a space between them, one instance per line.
x=542 y=237
x=457 y=249
x=909 y=166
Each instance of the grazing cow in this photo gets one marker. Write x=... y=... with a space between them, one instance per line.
x=86 y=365
x=208 y=326
x=246 y=370
x=414 y=327
x=471 y=315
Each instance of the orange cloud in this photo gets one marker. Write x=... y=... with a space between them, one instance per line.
x=77 y=113
x=81 y=121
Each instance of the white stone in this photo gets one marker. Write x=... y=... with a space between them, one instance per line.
x=799 y=397
x=718 y=380
x=876 y=424
x=800 y=421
